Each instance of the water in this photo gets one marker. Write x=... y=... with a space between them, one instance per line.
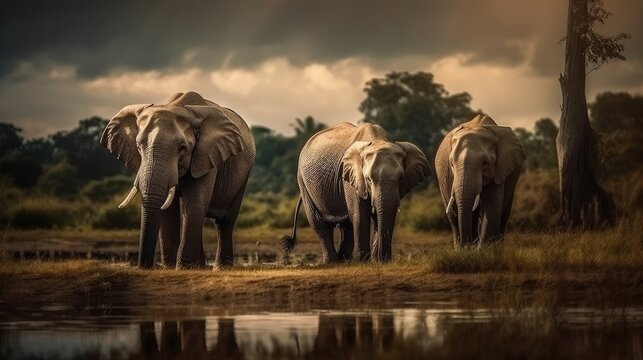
x=435 y=330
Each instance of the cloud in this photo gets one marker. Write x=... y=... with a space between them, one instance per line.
x=101 y=38
x=276 y=60
x=274 y=93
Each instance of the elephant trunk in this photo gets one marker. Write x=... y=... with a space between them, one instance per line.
x=157 y=186
x=150 y=225
x=386 y=203
x=466 y=189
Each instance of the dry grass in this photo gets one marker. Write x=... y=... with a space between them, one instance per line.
x=590 y=266
x=83 y=283
x=619 y=249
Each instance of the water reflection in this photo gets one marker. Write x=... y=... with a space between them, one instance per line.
x=401 y=333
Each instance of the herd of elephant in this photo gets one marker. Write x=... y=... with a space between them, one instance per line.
x=192 y=159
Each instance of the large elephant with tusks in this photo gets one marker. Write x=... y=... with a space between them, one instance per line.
x=192 y=159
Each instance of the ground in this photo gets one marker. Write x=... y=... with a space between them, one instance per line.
x=595 y=268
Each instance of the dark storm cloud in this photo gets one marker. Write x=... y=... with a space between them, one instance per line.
x=102 y=37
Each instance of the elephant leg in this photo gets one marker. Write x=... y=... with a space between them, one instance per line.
x=191 y=254
x=359 y=212
x=225 y=248
x=225 y=252
x=195 y=199
x=323 y=229
x=453 y=219
x=508 y=198
x=476 y=226
x=170 y=234
x=346 y=243
x=490 y=212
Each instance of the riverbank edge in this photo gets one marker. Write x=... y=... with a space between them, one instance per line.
x=87 y=283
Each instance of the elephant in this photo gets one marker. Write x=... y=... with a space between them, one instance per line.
x=349 y=175
x=192 y=159
x=478 y=165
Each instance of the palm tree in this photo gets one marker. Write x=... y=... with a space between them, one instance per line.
x=306 y=128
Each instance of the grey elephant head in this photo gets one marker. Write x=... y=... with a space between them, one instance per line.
x=164 y=143
x=383 y=172
x=481 y=153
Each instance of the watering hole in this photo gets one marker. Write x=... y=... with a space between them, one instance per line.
x=415 y=330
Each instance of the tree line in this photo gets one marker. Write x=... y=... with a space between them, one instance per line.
x=410 y=106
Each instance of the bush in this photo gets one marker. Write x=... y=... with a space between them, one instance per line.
x=105 y=189
x=423 y=211
x=536 y=200
x=59 y=179
x=43 y=213
x=109 y=216
x=269 y=209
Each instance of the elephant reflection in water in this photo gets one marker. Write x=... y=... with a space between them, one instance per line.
x=344 y=335
x=186 y=340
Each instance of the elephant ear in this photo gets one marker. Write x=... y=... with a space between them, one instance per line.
x=352 y=168
x=218 y=139
x=509 y=153
x=416 y=167
x=119 y=136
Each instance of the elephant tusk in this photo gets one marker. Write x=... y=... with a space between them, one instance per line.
x=476 y=202
x=450 y=205
x=129 y=197
x=170 y=198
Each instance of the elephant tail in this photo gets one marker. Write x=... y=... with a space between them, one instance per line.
x=289 y=242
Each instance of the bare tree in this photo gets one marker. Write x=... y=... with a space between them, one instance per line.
x=584 y=203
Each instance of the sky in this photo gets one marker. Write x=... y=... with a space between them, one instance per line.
x=276 y=60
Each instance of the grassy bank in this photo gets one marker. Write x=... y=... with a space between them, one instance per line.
x=586 y=266
x=90 y=283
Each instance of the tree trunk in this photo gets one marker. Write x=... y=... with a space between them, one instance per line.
x=584 y=204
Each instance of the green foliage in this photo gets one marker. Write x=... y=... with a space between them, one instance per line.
x=615 y=249
x=536 y=200
x=109 y=216
x=618 y=119
x=43 y=213
x=540 y=146
x=59 y=179
x=269 y=209
x=423 y=211
x=275 y=166
x=9 y=196
x=105 y=189
x=22 y=169
x=10 y=138
x=412 y=107
x=82 y=149
x=600 y=49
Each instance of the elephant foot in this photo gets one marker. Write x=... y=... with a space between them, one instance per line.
x=190 y=265
x=221 y=264
x=168 y=265
x=328 y=260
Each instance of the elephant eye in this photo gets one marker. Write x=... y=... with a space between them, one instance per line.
x=182 y=149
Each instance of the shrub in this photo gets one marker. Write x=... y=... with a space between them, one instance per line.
x=536 y=200
x=59 y=179
x=269 y=209
x=43 y=213
x=109 y=216
x=423 y=211
x=105 y=189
